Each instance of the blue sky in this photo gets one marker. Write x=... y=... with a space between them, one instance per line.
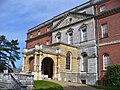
x=17 y=16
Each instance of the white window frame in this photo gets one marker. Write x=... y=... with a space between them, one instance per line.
x=103 y=8
x=104 y=30
x=69 y=62
x=84 y=34
x=84 y=68
x=106 y=60
x=48 y=42
x=39 y=32
x=70 y=38
x=31 y=36
x=58 y=38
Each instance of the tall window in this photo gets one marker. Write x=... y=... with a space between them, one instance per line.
x=68 y=61
x=84 y=61
x=105 y=61
x=102 y=8
x=70 y=38
x=104 y=31
x=84 y=34
x=70 y=35
x=58 y=37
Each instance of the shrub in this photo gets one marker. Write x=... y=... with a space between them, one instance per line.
x=113 y=75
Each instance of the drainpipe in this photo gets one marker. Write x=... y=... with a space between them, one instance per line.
x=97 y=42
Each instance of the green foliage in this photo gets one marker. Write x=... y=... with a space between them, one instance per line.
x=46 y=85
x=9 y=53
x=113 y=75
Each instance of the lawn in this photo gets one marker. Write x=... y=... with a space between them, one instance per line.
x=46 y=85
x=105 y=87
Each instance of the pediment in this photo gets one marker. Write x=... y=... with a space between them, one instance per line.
x=70 y=19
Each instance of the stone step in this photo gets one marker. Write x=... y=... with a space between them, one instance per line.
x=3 y=85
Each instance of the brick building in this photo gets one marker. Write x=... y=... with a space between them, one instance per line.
x=109 y=34
x=76 y=45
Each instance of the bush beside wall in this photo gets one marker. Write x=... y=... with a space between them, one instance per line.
x=113 y=75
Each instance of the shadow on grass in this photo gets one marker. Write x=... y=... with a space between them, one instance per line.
x=81 y=87
x=105 y=87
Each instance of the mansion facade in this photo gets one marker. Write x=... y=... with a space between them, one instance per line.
x=76 y=45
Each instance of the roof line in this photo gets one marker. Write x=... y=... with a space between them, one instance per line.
x=56 y=17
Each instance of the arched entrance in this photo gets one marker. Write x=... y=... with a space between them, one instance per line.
x=31 y=64
x=47 y=67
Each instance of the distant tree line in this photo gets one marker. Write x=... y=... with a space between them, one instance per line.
x=9 y=53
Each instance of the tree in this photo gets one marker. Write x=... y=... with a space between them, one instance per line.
x=9 y=53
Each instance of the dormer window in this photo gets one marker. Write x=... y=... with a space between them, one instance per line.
x=58 y=37
x=102 y=8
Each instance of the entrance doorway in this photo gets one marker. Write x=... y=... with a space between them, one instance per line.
x=47 y=67
x=31 y=64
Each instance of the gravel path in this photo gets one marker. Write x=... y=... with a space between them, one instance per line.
x=73 y=86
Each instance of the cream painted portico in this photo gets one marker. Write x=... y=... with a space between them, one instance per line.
x=50 y=62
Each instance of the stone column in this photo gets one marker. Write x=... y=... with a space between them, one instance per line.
x=23 y=64
x=56 y=70
x=40 y=63
x=35 y=66
x=58 y=67
x=35 y=62
x=27 y=65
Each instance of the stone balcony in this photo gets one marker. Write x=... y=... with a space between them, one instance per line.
x=41 y=48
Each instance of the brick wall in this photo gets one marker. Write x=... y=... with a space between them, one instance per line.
x=41 y=40
x=113 y=27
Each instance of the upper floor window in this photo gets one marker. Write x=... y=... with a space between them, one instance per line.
x=48 y=42
x=83 y=32
x=49 y=28
x=58 y=37
x=31 y=35
x=102 y=8
x=105 y=61
x=68 y=61
x=39 y=33
x=70 y=36
x=104 y=31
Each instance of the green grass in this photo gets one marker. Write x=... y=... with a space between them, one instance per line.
x=105 y=87
x=46 y=85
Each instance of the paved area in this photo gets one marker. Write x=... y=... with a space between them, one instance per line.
x=73 y=86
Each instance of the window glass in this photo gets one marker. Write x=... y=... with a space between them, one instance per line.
x=104 y=31
x=102 y=8
x=68 y=61
x=84 y=35
x=70 y=38
x=105 y=61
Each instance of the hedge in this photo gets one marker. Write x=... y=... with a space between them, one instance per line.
x=113 y=75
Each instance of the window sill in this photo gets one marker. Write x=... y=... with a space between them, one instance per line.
x=104 y=37
x=104 y=70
